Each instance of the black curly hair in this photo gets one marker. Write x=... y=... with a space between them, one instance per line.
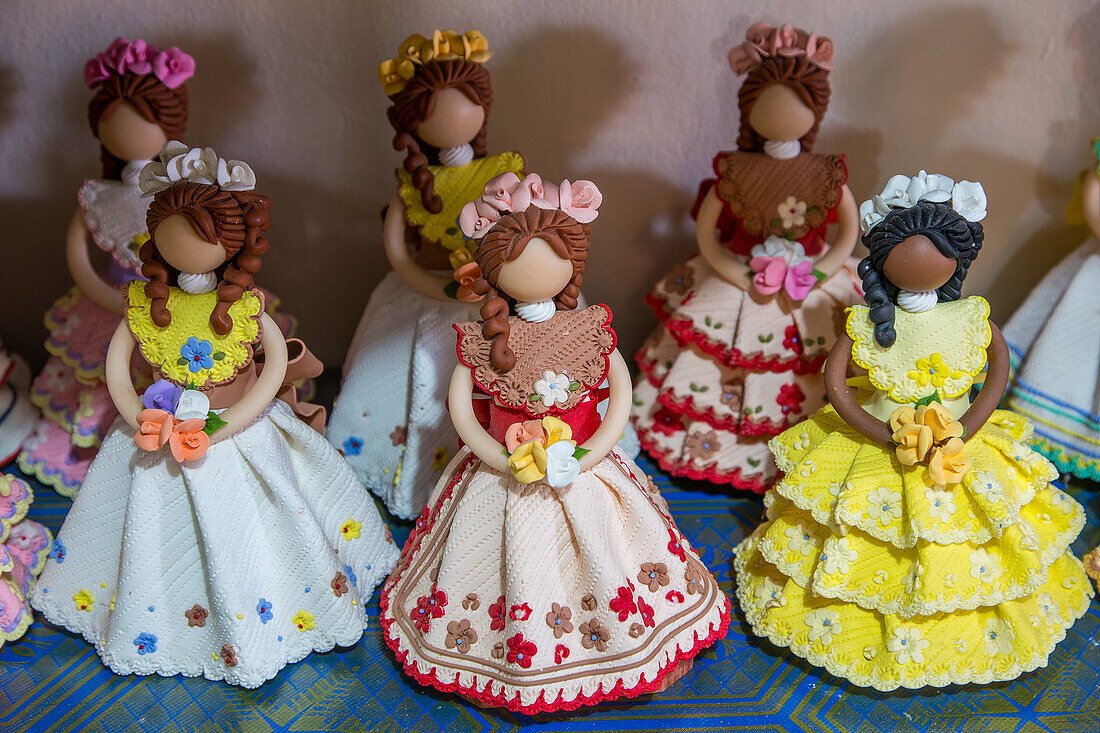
x=953 y=236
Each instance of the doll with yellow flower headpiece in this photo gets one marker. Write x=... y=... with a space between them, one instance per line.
x=915 y=538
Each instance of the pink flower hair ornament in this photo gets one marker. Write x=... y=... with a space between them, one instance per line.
x=172 y=67
x=764 y=41
x=508 y=194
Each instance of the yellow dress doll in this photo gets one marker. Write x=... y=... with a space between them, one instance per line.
x=915 y=538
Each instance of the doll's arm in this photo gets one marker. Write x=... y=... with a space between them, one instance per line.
x=1090 y=200
x=117 y=368
x=84 y=275
x=996 y=381
x=726 y=265
x=846 y=236
x=840 y=395
x=397 y=252
x=460 y=403
x=267 y=385
x=618 y=413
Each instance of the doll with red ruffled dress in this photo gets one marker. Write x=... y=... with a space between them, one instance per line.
x=746 y=323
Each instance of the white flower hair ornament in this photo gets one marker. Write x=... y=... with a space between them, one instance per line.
x=508 y=194
x=967 y=198
x=178 y=163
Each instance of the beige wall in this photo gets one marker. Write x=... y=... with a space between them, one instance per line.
x=636 y=96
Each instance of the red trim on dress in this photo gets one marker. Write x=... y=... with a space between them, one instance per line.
x=732 y=478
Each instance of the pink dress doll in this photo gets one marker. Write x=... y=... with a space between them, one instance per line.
x=140 y=102
x=746 y=323
x=23 y=548
x=545 y=573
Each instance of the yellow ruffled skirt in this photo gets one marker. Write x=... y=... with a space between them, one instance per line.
x=867 y=568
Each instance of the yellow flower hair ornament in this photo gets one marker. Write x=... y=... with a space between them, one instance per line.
x=541 y=450
x=930 y=434
x=416 y=50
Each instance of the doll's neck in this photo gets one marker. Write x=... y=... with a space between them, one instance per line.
x=457 y=156
x=782 y=149
x=920 y=301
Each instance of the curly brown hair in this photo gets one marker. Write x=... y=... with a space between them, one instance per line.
x=234 y=219
x=504 y=242
x=809 y=82
x=152 y=100
x=414 y=104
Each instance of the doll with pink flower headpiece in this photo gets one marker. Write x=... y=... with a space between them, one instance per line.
x=140 y=102
x=746 y=323
x=545 y=573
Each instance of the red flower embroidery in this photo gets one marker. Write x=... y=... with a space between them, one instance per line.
x=520 y=612
x=674 y=596
x=521 y=650
x=429 y=607
x=791 y=340
x=675 y=547
x=561 y=651
x=424 y=522
x=496 y=613
x=646 y=610
x=790 y=398
x=666 y=421
x=437 y=602
x=624 y=604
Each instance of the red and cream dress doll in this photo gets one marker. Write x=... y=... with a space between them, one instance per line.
x=746 y=323
x=545 y=573
x=140 y=102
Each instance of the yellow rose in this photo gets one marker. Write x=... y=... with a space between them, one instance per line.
x=447 y=45
x=476 y=46
x=528 y=462
x=412 y=48
x=459 y=257
x=904 y=415
x=949 y=463
x=914 y=441
x=940 y=420
x=556 y=429
x=394 y=74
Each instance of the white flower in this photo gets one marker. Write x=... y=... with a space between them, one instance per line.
x=968 y=199
x=808 y=468
x=884 y=504
x=792 y=212
x=987 y=486
x=1050 y=610
x=1030 y=538
x=1061 y=500
x=198 y=165
x=950 y=580
x=984 y=566
x=838 y=556
x=552 y=388
x=193 y=404
x=912 y=580
x=235 y=175
x=960 y=645
x=896 y=193
x=561 y=466
x=872 y=211
x=153 y=178
x=941 y=502
x=998 y=637
x=881 y=576
x=908 y=645
x=769 y=594
x=802 y=443
x=929 y=187
x=800 y=540
x=791 y=252
x=824 y=625
x=171 y=149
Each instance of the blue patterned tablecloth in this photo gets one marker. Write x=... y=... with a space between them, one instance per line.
x=52 y=680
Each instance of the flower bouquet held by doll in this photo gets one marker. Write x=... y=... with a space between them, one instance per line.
x=915 y=539
x=545 y=572
x=746 y=323
x=140 y=102
x=389 y=420
x=216 y=533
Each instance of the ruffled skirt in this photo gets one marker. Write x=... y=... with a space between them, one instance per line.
x=230 y=567
x=536 y=599
x=869 y=569
x=23 y=548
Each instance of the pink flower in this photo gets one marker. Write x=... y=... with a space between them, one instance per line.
x=770 y=274
x=476 y=217
x=800 y=280
x=466 y=276
x=543 y=195
x=135 y=58
x=523 y=432
x=506 y=193
x=97 y=70
x=623 y=604
x=116 y=53
x=579 y=199
x=173 y=67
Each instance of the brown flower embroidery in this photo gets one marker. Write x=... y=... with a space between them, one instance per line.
x=196 y=616
x=694 y=580
x=470 y=602
x=588 y=602
x=679 y=279
x=559 y=620
x=460 y=636
x=595 y=634
x=399 y=435
x=654 y=575
x=636 y=630
x=498 y=650
x=229 y=655
x=339 y=584
x=732 y=391
x=702 y=446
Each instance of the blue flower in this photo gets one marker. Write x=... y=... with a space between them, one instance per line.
x=353 y=446
x=351 y=574
x=162 y=395
x=264 y=609
x=57 y=551
x=197 y=353
x=146 y=643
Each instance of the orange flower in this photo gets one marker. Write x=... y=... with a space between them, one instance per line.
x=940 y=421
x=188 y=441
x=519 y=433
x=155 y=429
x=465 y=276
x=949 y=463
x=914 y=441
